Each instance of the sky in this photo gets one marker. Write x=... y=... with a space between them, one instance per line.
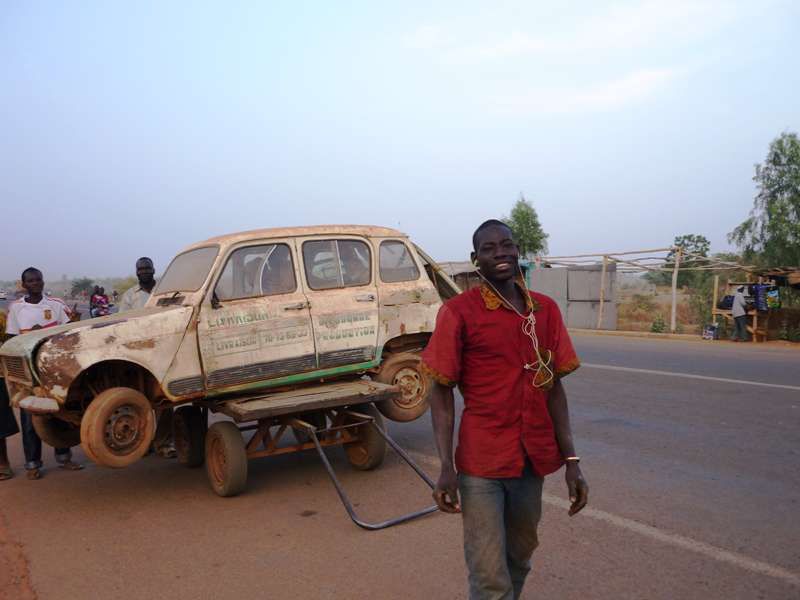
x=138 y=128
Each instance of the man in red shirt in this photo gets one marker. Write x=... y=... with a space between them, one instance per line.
x=506 y=348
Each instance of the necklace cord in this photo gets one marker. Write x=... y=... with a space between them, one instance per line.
x=543 y=375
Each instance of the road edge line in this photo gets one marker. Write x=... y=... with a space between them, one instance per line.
x=781 y=386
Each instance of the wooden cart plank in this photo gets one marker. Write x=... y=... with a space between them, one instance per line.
x=307 y=399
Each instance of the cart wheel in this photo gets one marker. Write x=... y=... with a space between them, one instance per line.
x=405 y=371
x=56 y=432
x=189 y=436
x=369 y=451
x=226 y=459
x=117 y=428
x=317 y=419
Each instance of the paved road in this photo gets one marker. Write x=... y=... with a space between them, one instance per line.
x=695 y=491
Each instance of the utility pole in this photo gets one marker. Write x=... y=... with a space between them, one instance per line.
x=672 y=322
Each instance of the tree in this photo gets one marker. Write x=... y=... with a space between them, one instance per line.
x=123 y=285
x=693 y=246
x=80 y=285
x=528 y=232
x=771 y=234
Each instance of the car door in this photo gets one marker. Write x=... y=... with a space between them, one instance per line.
x=255 y=325
x=339 y=281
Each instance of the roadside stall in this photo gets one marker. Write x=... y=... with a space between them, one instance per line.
x=763 y=298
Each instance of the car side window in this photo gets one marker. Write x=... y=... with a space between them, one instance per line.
x=257 y=271
x=396 y=262
x=333 y=264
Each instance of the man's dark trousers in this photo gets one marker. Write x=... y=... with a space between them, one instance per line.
x=32 y=444
x=740 y=332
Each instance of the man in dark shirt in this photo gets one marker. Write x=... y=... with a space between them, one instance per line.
x=8 y=423
x=506 y=348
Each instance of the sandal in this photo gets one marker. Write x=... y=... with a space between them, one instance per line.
x=6 y=473
x=34 y=474
x=167 y=451
x=70 y=466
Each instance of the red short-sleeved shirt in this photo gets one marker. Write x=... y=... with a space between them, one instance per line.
x=479 y=345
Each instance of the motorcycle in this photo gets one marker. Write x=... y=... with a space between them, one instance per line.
x=100 y=307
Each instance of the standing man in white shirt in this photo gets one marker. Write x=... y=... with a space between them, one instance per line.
x=136 y=297
x=739 y=313
x=35 y=311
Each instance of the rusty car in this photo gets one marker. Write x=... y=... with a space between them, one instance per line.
x=284 y=328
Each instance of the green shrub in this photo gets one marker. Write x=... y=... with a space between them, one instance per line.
x=658 y=326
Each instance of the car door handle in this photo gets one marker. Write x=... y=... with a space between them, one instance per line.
x=365 y=298
x=296 y=306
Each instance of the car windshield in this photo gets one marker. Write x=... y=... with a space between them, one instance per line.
x=187 y=271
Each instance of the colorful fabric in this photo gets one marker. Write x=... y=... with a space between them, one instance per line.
x=480 y=346
x=773 y=298
x=24 y=316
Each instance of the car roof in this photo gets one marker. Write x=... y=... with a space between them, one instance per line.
x=281 y=232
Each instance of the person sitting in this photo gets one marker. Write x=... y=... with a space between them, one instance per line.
x=100 y=303
x=355 y=268
x=94 y=300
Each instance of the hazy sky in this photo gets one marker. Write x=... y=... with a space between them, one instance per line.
x=141 y=127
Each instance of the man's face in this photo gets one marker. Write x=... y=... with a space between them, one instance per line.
x=33 y=282
x=145 y=271
x=497 y=254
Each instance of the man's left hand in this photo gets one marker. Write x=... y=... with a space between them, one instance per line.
x=577 y=487
x=75 y=314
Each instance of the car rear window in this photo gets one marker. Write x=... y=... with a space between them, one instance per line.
x=396 y=262
x=333 y=264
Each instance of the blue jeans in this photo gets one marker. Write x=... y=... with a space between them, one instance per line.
x=500 y=518
x=32 y=444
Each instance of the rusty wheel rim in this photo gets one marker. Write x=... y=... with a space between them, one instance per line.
x=358 y=453
x=122 y=432
x=412 y=387
x=216 y=461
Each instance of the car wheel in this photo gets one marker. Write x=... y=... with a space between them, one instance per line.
x=369 y=451
x=226 y=459
x=405 y=371
x=56 y=432
x=117 y=427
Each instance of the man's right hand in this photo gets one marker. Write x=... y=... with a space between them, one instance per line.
x=446 y=492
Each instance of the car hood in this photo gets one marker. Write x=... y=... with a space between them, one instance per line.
x=25 y=344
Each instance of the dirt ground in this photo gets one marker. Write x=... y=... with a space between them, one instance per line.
x=687 y=502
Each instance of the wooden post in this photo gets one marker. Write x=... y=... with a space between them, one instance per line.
x=672 y=321
x=716 y=295
x=602 y=291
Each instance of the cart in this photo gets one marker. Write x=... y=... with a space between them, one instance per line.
x=320 y=417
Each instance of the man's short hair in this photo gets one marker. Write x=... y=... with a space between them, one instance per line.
x=29 y=270
x=143 y=258
x=486 y=225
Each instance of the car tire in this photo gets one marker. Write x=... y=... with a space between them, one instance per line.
x=56 y=432
x=405 y=371
x=189 y=433
x=370 y=449
x=117 y=427
x=226 y=459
